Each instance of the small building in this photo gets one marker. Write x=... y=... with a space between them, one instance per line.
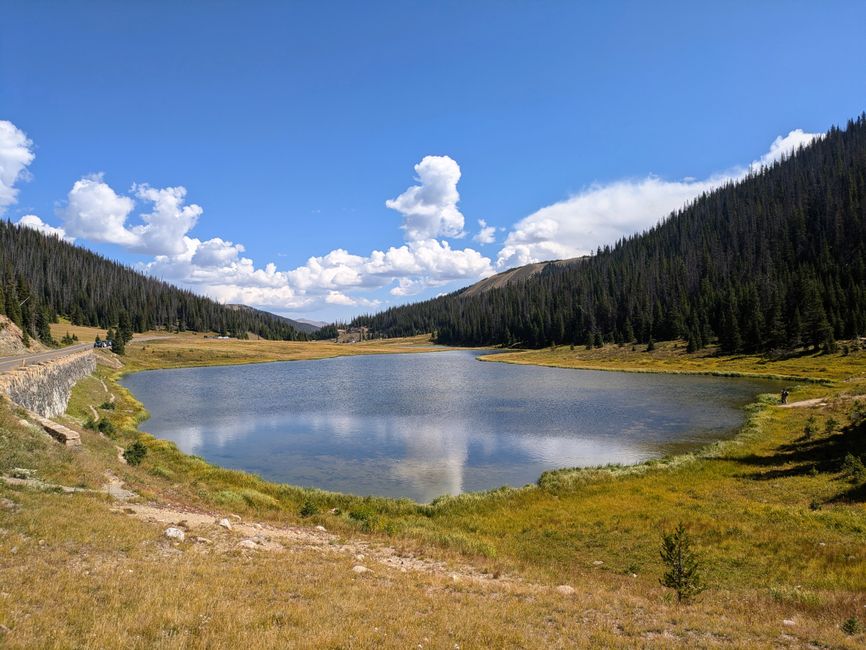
x=352 y=335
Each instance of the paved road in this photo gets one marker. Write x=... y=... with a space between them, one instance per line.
x=8 y=363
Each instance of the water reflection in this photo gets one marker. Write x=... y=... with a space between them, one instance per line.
x=424 y=425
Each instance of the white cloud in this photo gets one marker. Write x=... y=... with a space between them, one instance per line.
x=602 y=214
x=34 y=222
x=430 y=209
x=95 y=212
x=784 y=145
x=16 y=154
x=165 y=227
x=486 y=234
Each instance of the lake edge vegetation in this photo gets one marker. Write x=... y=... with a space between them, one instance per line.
x=784 y=535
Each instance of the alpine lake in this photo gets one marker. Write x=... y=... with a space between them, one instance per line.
x=427 y=424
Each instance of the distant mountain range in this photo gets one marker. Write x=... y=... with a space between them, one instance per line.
x=302 y=325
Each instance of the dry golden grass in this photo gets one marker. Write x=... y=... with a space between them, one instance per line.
x=192 y=349
x=780 y=529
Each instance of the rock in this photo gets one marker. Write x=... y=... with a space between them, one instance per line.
x=203 y=540
x=175 y=533
x=359 y=569
x=360 y=557
x=225 y=523
x=258 y=526
x=22 y=473
x=236 y=518
x=321 y=529
x=597 y=563
x=248 y=543
x=789 y=622
x=8 y=504
x=565 y=590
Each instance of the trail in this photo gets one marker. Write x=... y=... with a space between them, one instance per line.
x=806 y=403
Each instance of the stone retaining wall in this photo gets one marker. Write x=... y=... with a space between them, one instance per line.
x=44 y=388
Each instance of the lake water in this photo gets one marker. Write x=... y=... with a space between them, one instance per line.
x=422 y=425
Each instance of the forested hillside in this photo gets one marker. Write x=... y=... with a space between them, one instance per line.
x=776 y=260
x=43 y=277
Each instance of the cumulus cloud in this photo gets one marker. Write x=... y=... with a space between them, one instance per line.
x=783 y=146
x=16 y=154
x=34 y=222
x=94 y=211
x=486 y=234
x=166 y=225
x=603 y=213
x=430 y=209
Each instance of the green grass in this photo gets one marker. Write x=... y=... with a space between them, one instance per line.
x=779 y=526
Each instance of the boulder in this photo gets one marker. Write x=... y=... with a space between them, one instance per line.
x=565 y=590
x=175 y=533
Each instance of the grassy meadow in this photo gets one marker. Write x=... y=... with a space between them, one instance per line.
x=776 y=515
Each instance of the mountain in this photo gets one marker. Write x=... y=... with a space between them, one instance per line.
x=775 y=260
x=517 y=274
x=43 y=276
x=301 y=325
x=318 y=324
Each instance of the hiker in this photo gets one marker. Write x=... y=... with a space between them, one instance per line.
x=784 y=396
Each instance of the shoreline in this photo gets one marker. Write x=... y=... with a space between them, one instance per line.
x=713 y=449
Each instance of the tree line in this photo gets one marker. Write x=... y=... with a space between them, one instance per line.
x=775 y=260
x=43 y=277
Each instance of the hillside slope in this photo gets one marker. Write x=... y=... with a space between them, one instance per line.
x=518 y=274
x=776 y=260
x=56 y=277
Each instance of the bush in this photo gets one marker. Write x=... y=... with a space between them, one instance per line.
x=90 y=423
x=105 y=426
x=135 y=453
x=650 y=346
x=858 y=412
x=811 y=427
x=830 y=425
x=107 y=406
x=852 y=626
x=683 y=569
x=308 y=509
x=853 y=466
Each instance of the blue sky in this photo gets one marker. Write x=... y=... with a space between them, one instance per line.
x=222 y=145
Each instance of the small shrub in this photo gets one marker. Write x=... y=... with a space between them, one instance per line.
x=90 y=423
x=105 y=426
x=683 y=573
x=650 y=346
x=811 y=427
x=853 y=466
x=858 y=412
x=135 y=453
x=830 y=425
x=852 y=626
x=107 y=406
x=308 y=509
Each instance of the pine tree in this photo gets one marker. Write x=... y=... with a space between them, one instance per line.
x=682 y=572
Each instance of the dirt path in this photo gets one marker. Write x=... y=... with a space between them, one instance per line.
x=206 y=531
x=209 y=532
x=806 y=403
